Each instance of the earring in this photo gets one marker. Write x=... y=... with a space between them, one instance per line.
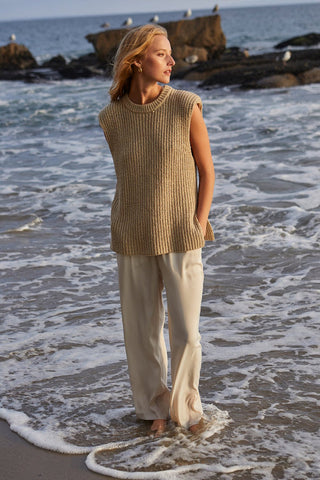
x=140 y=69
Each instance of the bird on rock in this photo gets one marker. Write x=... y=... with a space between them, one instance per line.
x=154 y=19
x=188 y=13
x=286 y=57
x=12 y=37
x=191 y=59
x=128 y=22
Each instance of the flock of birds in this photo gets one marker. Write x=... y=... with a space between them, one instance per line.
x=155 y=19
x=187 y=14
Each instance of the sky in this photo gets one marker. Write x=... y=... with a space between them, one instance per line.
x=26 y=9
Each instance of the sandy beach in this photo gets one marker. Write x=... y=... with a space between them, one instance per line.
x=19 y=460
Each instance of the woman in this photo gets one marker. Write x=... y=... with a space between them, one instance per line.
x=159 y=223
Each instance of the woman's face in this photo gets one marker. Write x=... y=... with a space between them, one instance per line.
x=157 y=62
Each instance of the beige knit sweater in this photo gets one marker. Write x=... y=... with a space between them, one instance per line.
x=154 y=208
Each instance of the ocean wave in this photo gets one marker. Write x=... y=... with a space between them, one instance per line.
x=32 y=225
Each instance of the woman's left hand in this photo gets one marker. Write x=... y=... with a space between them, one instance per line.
x=203 y=227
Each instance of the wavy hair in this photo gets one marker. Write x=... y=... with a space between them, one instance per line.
x=132 y=46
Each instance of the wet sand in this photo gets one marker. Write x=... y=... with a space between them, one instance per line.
x=19 y=460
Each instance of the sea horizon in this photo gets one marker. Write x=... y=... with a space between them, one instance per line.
x=153 y=12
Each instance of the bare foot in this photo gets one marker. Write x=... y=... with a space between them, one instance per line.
x=197 y=427
x=194 y=428
x=158 y=427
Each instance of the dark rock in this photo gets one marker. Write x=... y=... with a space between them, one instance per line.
x=55 y=62
x=278 y=81
x=56 y=69
x=16 y=57
x=308 y=40
x=201 y=36
x=310 y=76
x=83 y=67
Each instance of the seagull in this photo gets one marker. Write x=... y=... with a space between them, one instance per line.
x=215 y=8
x=191 y=59
x=188 y=13
x=105 y=25
x=286 y=57
x=154 y=19
x=128 y=22
x=12 y=37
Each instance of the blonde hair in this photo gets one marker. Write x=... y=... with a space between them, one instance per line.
x=132 y=46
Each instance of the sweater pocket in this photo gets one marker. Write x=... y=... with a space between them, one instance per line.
x=198 y=225
x=209 y=236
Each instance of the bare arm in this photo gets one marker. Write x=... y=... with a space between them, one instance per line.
x=200 y=145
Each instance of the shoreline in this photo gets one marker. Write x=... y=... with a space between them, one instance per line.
x=20 y=460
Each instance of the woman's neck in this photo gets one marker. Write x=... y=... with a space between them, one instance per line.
x=144 y=94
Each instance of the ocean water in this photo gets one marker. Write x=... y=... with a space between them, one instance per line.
x=64 y=382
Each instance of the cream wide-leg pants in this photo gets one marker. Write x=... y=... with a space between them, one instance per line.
x=141 y=281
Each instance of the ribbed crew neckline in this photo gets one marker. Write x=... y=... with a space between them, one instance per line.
x=147 y=107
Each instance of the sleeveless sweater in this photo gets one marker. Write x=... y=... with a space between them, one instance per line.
x=154 y=208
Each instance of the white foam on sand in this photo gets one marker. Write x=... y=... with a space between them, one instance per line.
x=44 y=438
x=171 y=474
x=176 y=453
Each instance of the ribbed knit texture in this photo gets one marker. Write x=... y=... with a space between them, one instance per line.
x=154 y=208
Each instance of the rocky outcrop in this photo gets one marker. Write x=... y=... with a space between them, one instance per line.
x=290 y=80
x=199 y=51
x=200 y=37
x=83 y=67
x=308 y=40
x=16 y=57
x=57 y=68
x=259 y=71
